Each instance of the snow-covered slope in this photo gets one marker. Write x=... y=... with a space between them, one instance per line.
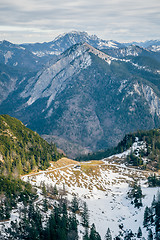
x=136 y=147
x=104 y=186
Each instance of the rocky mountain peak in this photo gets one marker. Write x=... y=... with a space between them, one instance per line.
x=55 y=77
x=74 y=34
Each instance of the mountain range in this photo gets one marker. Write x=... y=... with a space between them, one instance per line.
x=80 y=88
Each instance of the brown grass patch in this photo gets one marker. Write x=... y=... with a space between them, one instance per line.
x=63 y=162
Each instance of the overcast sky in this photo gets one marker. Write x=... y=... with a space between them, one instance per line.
x=42 y=20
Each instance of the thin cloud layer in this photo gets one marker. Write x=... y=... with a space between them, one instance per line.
x=121 y=20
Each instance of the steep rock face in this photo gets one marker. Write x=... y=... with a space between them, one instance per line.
x=16 y=65
x=9 y=79
x=152 y=99
x=6 y=80
x=52 y=80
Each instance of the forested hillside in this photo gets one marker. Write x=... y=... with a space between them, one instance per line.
x=22 y=150
x=150 y=139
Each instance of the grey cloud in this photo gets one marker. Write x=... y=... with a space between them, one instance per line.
x=116 y=19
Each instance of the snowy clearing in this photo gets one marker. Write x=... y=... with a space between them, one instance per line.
x=104 y=187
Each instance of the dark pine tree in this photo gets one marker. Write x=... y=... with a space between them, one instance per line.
x=94 y=235
x=108 y=235
x=74 y=204
x=146 y=217
x=85 y=216
x=150 y=235
x=139 y=234
x=45 y=205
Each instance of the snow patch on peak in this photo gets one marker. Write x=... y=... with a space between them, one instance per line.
x=45 y=53
x=108 y=44
x=133 y=50
x=155 y=48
